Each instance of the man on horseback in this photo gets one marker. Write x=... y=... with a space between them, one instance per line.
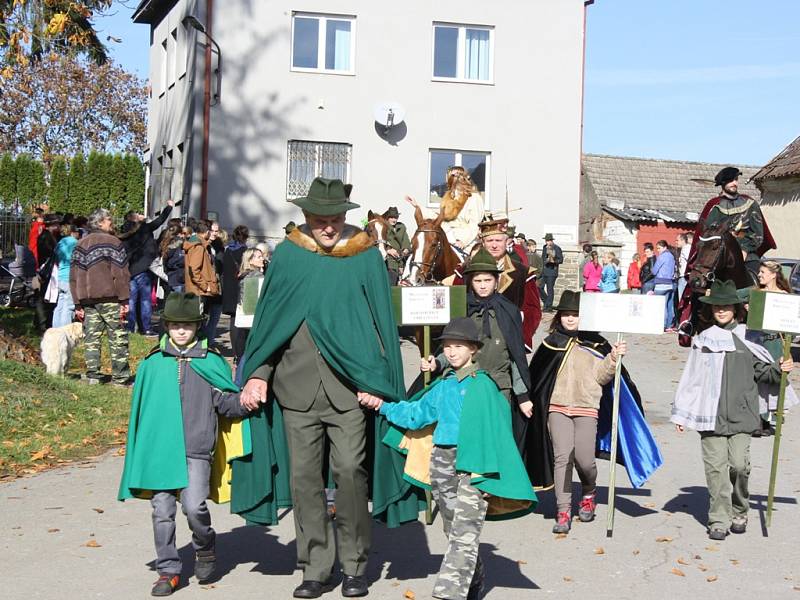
x=398 y=246
x=743 y=218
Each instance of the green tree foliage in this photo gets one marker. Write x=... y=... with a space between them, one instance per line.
x=77 y=186
x=118 y=180
x=26 y=180
x=8 y=180
x=59 y=185
x=40 y=190
x=134 y=184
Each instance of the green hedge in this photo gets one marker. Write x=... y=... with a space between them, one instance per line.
x=76 y=185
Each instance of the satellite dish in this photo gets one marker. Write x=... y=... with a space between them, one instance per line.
x=389 y=114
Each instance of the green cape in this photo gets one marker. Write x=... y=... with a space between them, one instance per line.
x=492 y=458
x=155 y=455
x=346 y=303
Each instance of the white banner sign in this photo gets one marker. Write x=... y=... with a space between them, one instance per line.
x=426 y=305
x=622 y=313
x=781 y=312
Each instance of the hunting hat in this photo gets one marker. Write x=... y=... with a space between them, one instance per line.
x=521 y=236
x=463 y=329
x=548 y=237
x=289 y=227
x=326 y=197
x=569 y=301
x=392 y=213
x=511 y=231
x=722 y=292
x=491 y=226
x=52 y=219
x=182 y=308
x=482 y=262
x=726 y=175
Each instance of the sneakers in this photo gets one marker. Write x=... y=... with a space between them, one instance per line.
x=165 y=585
x=563 y=523
x=205 y=562
x=717 y=534
x=91 y=378
x=587 y=508
x=123 y=383
x=739 y=525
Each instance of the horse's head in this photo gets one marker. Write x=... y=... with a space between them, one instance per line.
x=717 y=256
x=428 y=246
x=376 y=228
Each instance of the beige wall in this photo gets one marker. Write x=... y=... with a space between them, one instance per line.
x=780 y=203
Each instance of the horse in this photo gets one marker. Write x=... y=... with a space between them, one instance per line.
x=376 y=228
x=717 y=256
x=433 y=258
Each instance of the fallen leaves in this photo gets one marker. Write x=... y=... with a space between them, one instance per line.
x=677 y=571
x=92 y=544
x=702 y=568
x=409 y=595
x=53 y=530
x=682 y=561
x=599 y=551
x=636 y=552
x=567 y=578
x=41 y=454
x=712 y=548
x=734 y=562
x=99 y=511
x=663 y=539
x=561 y=536
x=711 y=578
x=522 y=562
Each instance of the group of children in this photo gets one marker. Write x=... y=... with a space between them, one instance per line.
x=477 y=462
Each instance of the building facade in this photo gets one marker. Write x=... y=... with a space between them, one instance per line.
x=496 y=91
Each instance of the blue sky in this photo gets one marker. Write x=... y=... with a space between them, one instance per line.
x=708 y=80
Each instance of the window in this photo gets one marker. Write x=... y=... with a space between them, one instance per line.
x=475 y=163
x=307 y=160
x=463 y=52
x=323 y=43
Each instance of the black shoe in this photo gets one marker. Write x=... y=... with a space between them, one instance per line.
x=739 y=526
x=205 y=563
x=717 y=534
x=165 y=585
x=311 y=589
x=354 y=587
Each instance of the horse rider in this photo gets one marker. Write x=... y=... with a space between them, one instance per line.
x=743 y=217
x=517 y=282
x=398 y=246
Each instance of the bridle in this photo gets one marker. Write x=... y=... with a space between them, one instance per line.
x=709 y=275
x=429 y=265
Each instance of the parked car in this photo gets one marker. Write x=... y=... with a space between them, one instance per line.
x=791 y=270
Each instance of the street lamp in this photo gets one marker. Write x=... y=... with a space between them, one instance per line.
x=194 y=23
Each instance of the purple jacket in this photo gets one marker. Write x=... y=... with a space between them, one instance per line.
x=664 y=269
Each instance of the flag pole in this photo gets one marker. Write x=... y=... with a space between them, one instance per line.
x=776 y=444
x=612 y=473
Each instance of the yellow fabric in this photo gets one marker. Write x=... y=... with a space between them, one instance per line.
x=419 y=446
x=229 y=446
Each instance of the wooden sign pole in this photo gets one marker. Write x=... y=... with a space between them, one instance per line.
x=612 y=472
x=776 y=444
x=426 y=378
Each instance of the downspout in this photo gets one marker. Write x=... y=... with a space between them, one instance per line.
x=586 y=5
x=206 y=113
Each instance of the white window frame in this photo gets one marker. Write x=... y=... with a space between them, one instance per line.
x=459 y=160
x=317 y=170
x=321 y=46
x=460 y=53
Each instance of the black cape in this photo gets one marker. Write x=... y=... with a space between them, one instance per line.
x=546 y=361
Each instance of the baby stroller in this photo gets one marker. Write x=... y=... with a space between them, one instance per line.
x=15 y=279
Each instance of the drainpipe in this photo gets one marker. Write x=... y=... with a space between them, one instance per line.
x=586 y=5
x=206 y=112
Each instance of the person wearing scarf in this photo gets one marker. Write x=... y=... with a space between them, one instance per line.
x=727 y=383
x=502 y=352
x=572 y=393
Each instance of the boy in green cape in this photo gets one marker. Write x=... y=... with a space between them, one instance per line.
x=181 y=387
x=474 y=461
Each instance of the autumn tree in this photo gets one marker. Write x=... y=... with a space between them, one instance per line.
x=31 y=29
x=65 y=105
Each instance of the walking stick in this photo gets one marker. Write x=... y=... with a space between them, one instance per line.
x=776 y=444
x=612 y=473
x=426 y=378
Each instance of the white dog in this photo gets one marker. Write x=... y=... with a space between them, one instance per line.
x=57 y=346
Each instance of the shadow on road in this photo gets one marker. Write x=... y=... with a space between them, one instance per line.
x=692 y=501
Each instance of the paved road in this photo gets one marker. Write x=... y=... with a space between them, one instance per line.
x=46 y=522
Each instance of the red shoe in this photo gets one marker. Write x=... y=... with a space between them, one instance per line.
x=563 y=523
x=587 y=508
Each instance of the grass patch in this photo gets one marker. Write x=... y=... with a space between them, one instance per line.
x=46 y=421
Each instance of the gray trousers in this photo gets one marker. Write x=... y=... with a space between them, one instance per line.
x=193 y=504
x=463 y=511
x=316 y=543
x=574 y=440
x=726 y=459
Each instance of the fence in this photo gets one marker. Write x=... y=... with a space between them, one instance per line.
x=13 y=230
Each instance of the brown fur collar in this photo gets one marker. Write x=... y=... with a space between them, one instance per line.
x=353 y=241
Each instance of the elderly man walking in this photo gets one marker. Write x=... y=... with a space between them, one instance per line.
x=99 y=282
x=324 y=343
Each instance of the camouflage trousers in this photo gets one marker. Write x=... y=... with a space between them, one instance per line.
x=97 y=319
x=463 y=510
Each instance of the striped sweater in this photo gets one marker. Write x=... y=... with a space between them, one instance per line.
x=99 y=271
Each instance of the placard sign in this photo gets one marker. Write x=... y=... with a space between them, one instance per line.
x=622 y=313
x=773 y=311
x=425 y=305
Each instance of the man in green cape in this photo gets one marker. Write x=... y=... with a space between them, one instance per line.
x=324 y=342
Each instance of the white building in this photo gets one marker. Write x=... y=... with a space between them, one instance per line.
x=493 y=86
